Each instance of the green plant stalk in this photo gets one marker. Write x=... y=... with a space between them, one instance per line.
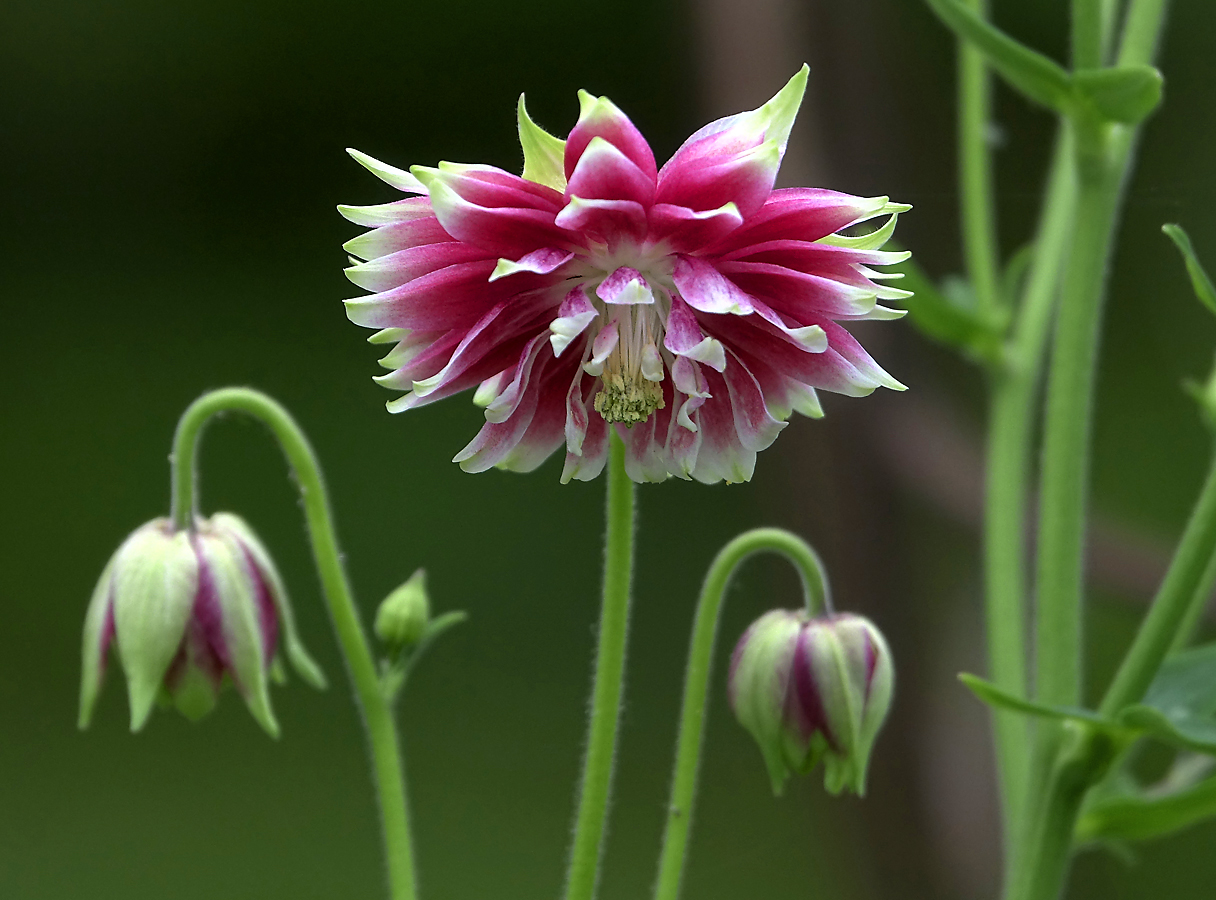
x=1167 y=616
x=1104 y=156
x=975 y=173
x=695 y=704
x=1013 y=390
x=373 y=705
x=1087 y=33
x=587 y=846
x=1199 y=604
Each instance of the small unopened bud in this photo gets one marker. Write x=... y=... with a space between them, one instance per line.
x=186 y=609
x=404 y=614
x=810 y=689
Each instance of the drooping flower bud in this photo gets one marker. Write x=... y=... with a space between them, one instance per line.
x=187 y=610
x=810 y=689
x=403 y=614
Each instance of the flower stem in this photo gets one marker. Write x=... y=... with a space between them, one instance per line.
x=696 y=679
x=1168 y=615
x=1013 y=390
x=587 y=847
x=975 y=173
x=373 y=704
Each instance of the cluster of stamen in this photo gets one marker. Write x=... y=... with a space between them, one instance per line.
x=630 y=381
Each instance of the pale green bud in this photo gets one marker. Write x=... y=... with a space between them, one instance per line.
x=403 y=615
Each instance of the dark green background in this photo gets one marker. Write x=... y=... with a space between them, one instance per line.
x=169 y=173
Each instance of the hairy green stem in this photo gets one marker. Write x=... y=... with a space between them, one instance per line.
x=587 y=847
x=1167 y=616
x=1104 y=156
x=373 y=705
x=975 y=172
x=1013 y=390
x=697 y=675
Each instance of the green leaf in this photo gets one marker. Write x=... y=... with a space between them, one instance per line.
x=1126 y=94
x=544 y=154
x=949 y=315
x=1180 y=705
x=1148 y=814
x=997 y=697
x=1200 y=281
x=1028 y=71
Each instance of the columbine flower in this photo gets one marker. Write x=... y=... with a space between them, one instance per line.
x=187 y=611
x=810 y=689
x=692 y=307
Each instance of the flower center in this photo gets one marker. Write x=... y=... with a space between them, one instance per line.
x=630 y=389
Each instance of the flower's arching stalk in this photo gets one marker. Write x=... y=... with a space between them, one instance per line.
x=374 y=704
x=696 y=679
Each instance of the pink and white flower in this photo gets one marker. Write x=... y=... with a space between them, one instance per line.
x=694 y=308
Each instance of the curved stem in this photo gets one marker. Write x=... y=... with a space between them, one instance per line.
x=587 y=846
x=377 y=714
x=696 y=679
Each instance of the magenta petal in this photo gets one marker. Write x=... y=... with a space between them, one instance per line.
x=609 y=221
x=573 y=316
x=506 y=403
x=745 y=180
x=578 y=415
x=398 y=236
x=538 y=262
x=505 y=231
x=387 y=272
x=685 y=230
x=721 y=457
x=798 y=292
x=387 y=213
x=587 y=467
x=600 y=117
x=492 y=187
x=705 y=288
x=497 y=439
x=545 y=432
x=452 y=297
x=755 y=424
x=805 y=214
x=625 y=286
x=685 y=338
x=605 y=173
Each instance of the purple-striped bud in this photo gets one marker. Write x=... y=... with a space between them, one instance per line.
x=188 y=611
x=810 y=689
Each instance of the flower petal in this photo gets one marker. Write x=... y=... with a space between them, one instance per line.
x=387 y=272
x=506 y=403
x=600 y=117
x=744 y=179
x=685 y=338
x=539 y=262
x=98 y=636
x=588 y=465
x=605 y=173
x=398 y=236
x=625 y=287
x=543 y=153
x=705 y=288
x=609 y=221
x=804 y=214
x=573 y=317
x=452 y=297
x=685 y=230
x=601 y=348
x=756 y=426
x=387 y=213
x=391 y=175
x=798 y=292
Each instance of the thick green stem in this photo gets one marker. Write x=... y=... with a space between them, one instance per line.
x=373 y=705
x=696 y=679
x=1104 y=155
x=1014 y=389
x=975 y=172
x=587 y=846
x=1199 y=604
x=1167 y=617
x=1087 y=29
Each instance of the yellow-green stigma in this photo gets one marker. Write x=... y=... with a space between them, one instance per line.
x=628 y=400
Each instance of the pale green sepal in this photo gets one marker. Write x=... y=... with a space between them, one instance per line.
x=777 y=116
x=381 y=214
x=92 y=664
x=872 y=241
x=885 y=313
x=155 y=580
x=299 y=657
x=1125 y=94
x=391 y=175
x=805 y=400
x=544 y=154
x=1200 y=282
x=233 y=585
x=389 y=336
x=487 y=392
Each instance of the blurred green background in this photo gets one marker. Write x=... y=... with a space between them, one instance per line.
x=170 y=172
